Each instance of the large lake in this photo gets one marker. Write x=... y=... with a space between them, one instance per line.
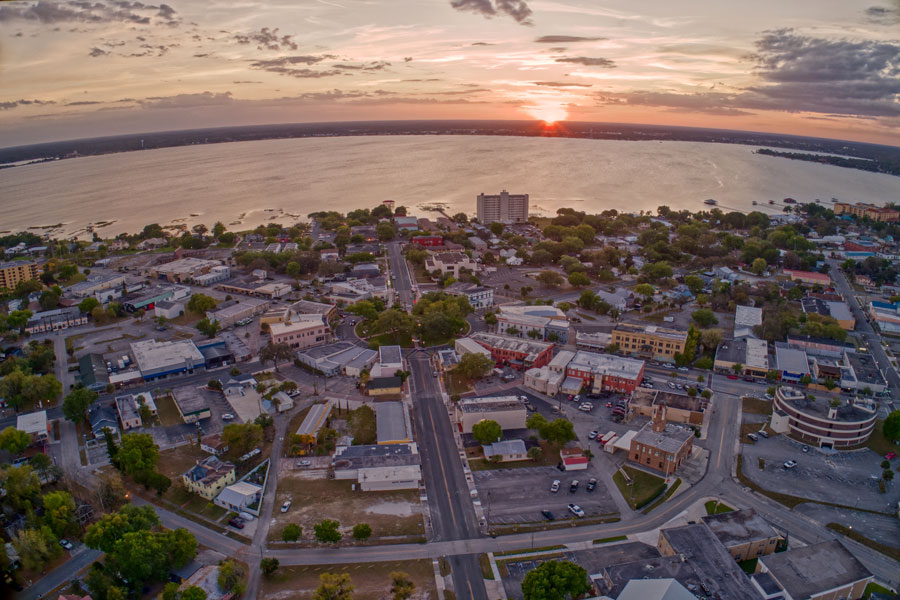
x=248 y=183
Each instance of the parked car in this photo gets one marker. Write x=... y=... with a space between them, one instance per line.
x=670 y=384
x=227 y=417
x=764 y=433
x=304 y=462
x=66 y=544
x=593 y=435
x=753 y=437
x=554 y=487
x=576 y=510
x=237 y=523
x=805 y=448
x=586 y=407
x=286 y=506
x=790 y=464
x=890 y=456
x=732 y=376
x=570 y=398
x=769 y=397
x=548 y=515
x=573 y=487
x=748 y=378
x=592 y=483
x=683 y=369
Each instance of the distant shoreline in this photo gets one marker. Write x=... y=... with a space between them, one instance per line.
x=869 y=157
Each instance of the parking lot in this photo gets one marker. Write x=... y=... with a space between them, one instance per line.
x=849 y=478
x=519 y=495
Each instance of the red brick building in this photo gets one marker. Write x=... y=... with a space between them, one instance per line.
x=428 y=240
x=516 y=352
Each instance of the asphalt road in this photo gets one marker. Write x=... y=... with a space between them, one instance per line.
x=400 y=270
x=863 y=326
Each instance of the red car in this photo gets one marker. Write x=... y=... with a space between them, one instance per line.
x=890 y=455
x=571 y=397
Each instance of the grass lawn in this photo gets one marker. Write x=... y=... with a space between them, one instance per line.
x=457 y=384
x=643 y=488
x=187 y=319
x=880 y=444
x=167 y=412
x=175 y=461
x=716 y=508
x=874 y=587
x=748 y=566
x=390 y=339
x=756 y=406
x=391 y=513
x=371 y=580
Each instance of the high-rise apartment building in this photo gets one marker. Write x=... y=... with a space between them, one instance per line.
x=12 y=273
x=503 y=208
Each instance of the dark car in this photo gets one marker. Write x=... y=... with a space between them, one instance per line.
x=748 y=378
x=237 y=523
x=573 y=487
x=592 y=483
x=548 y=515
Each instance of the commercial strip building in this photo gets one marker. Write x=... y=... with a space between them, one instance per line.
x=390 y=360
x=192 y=403
x=95 y=285
x=744 y=533
x=606 y=372
x=649 y=341
x=516 y=352
x=182 y=270
x=12 y=273
x=255 y=288
x=450 y=263
x=550 y=322
x=157 y=360
x=824 y=571
x=816 y=346
x=465 y=346
x=35 y=424
x=860 y=209
x=809 y=277
x=507 y=411
x=339 y=357
x=752 y=354
x=827 y=422
x=379 y=467
x=209 y=477
x=303 y=331
x=792 y=363
x=390 y=385
x=232 y=311
x=392 y=423
x=594 y=340
x=315 y=419
x=680 y=408
x=886 y=315
x=501 y=208
x=479 y=296
x=745 y=319
x=147 y=298
x=839 y=311
x=661 y=446
x=54 y=320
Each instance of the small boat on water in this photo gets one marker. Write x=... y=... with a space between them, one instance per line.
x=710 y=201
x=754 y=203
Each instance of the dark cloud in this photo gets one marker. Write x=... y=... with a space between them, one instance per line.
x=282 y=61
x=267 y=39
x=883 y=15
x=421 y=80
x=797 y=73
x=482 y=44
x=561 y=84
x=243 y=82
x=83 y=103
x=188 y=100
x=566 y=39
x=95 y=52
x=407 y=59
x=11 y=104
x=370 y=67
x=77 y=11
x=588 y=61
x=517 y=9
x=204 y=55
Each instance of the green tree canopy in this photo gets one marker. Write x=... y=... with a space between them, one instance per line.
x=579 y=279
x=891 y=426
x=104 y=534
x=474 y=365
x=201 y=303
x=487 y=431
x=334 y=586
x=77 y=402
x=362 y=531
x=555 y=580
x=327 y=531
x=704 y=317
x=137 y=452
x=242 y=437
x=402 y=586
x=88 y=304
x=550 y=279
x=14 y=441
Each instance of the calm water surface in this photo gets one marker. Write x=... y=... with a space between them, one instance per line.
x=248 y=183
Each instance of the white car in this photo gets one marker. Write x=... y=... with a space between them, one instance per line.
x=576 y=510
x=304 y=462
x=554 y=487
x=66 y=544
x=227 y=417
x=683 y=369
x=593 y=435
x=285 y=506
x=770 y=397
x=586 y=407
x=790 y=464
x=671 y=385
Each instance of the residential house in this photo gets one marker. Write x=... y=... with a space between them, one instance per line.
x=506 y=451
x=35 y=425
x=239 y=497
x=208 y=477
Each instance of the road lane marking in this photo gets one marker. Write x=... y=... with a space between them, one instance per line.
x=443 y=472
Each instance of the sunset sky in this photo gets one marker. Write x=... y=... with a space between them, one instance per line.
x=85 y=68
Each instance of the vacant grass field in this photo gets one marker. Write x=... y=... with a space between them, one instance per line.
x=371 y=580
x=716 y=508
x=168 y=414
x=643 y=487
x=394 y=513
x=175 y=461
x=756 y=406
x=457 y=384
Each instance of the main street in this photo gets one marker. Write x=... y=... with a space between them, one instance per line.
x=863 y=326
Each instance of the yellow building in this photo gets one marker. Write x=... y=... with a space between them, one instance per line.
x=11 y=273
x=876 y=213
x=209 y=477
x=651 y=341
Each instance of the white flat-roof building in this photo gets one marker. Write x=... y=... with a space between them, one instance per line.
x=34 y=424
x=745 y=319
x=160 y=359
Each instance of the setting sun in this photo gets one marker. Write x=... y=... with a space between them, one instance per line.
x=548 y=113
